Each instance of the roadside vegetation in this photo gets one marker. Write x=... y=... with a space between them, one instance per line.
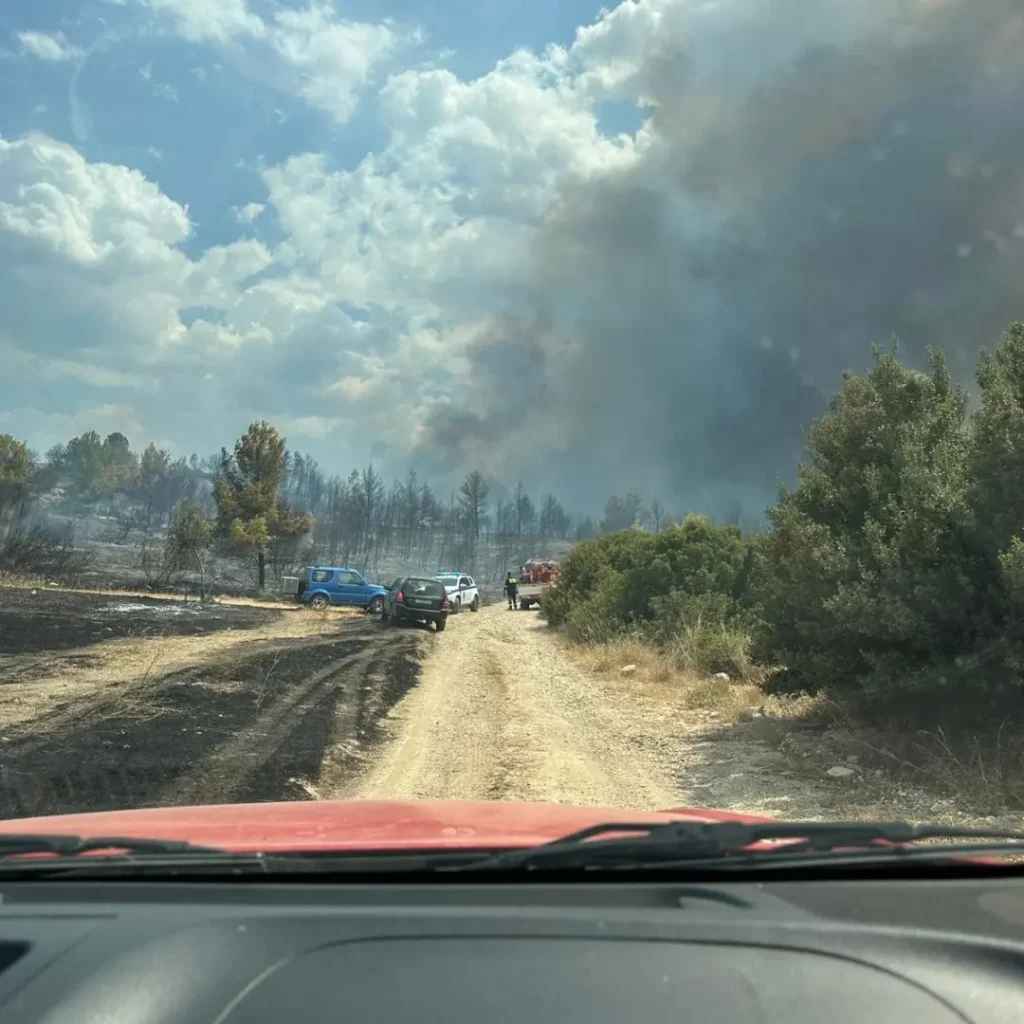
x=884 y=601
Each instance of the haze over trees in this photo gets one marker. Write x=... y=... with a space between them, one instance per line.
x=271 y=508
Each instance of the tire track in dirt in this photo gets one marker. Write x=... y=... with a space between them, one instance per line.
x=260 y=724
x=237 y=770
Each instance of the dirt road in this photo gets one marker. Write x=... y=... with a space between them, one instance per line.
x=121 y=702
x=503 y=712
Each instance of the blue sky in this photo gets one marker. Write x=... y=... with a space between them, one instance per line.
x=162 y=126
x=455 y=235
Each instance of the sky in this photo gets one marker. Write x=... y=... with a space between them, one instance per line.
x=595 y=249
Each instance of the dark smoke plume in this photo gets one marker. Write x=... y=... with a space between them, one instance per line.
x=822 y=176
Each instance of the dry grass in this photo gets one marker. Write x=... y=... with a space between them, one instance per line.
x=936 y=772
x=978 y=769
x=655 y=674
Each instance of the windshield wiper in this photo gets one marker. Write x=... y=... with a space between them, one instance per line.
x=726 y=844
x=20 y=844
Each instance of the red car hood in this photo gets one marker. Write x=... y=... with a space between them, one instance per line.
x=354 y=824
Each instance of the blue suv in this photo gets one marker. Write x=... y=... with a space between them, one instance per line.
x=321 y=586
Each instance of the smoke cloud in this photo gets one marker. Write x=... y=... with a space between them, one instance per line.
x=814 y=179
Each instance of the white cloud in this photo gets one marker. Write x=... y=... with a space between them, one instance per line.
x=332 y=59
x=88 y=213
x=248 y=213
x=431 y=236
x=48 y=47
x=314 y=53
x=208 y=20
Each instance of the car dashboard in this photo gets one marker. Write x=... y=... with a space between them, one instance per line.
x=887 y=952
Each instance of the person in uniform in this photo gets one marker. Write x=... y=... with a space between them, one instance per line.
x=512 y=590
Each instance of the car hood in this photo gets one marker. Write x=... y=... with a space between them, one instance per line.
x=355 y=824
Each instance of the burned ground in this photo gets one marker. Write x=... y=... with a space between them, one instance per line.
x=41 y=619
x=284 y=703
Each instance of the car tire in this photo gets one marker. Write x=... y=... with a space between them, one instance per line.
x=475 y=606
x=319 y=602
x=384 y=617
x=439 y=624
x=456 y=606
x=376 y=606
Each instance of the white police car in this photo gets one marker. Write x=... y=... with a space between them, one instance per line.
x=461 y=589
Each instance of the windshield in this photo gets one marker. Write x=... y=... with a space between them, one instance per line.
x=689 y=335
x=428 y=588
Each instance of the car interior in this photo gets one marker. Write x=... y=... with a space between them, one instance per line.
x=888 y=951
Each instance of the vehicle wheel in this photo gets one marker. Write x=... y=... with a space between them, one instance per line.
x=384 y=617
x=524 y=605
x=376 y=606
x=393 y=617
x=319 y=602
x=439 y=625
x=456 y=606
x=475 y=606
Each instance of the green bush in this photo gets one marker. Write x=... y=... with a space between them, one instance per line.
x=893 y=569
x=680 y=589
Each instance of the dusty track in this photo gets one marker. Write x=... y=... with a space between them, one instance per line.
x=504 y=712
x=101 y=710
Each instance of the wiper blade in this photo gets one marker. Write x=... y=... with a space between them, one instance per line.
x=21 y=844
x=684 y=843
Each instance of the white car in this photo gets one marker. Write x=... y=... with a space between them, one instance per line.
x=462 y=591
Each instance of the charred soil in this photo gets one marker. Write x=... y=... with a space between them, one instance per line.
x=216 y=705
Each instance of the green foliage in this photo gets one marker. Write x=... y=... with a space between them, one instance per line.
x=866 y=571
x=17 y=476
x=250 y=513
x=189 y=535
x=894 y=569
x=17 y=464
x=679 y=588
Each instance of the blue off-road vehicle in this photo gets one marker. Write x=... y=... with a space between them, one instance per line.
x=321 y=586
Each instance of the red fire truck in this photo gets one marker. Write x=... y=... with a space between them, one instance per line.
x=534 y=579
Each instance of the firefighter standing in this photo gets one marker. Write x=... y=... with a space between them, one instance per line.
x=511 y=590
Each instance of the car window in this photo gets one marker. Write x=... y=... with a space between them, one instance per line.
x=425 y=588
x=396 y=584
x=322 y=575
x=349 y=577
x=465 y=582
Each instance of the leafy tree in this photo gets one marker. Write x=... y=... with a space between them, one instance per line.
x=81 y=462
x=553 y=520
x=621 y=512
x=189 y=536
x=865 y=576
x=249 y=511
x=996 y=494
x=585 y=529
x=17 y=472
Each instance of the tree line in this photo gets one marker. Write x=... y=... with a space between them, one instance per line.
x=277 y=508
